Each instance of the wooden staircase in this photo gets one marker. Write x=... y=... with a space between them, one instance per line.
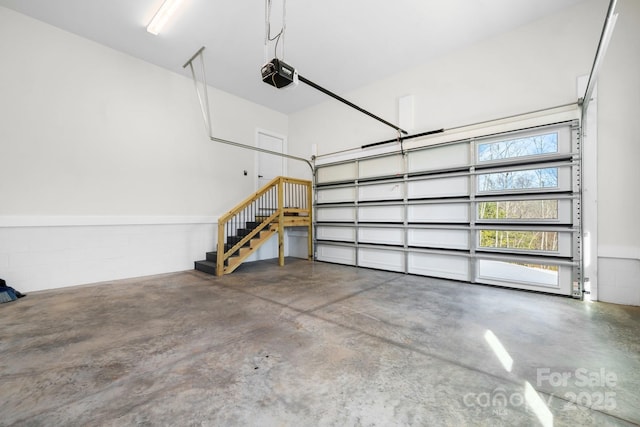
x=283 y=202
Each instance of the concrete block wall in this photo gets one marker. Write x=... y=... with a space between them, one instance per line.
x=48 y=256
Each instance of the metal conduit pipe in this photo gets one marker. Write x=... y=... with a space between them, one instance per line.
x=204 y=106
x=603 y=43
x=455 y=128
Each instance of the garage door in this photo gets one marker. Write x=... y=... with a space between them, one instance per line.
x=501 y=210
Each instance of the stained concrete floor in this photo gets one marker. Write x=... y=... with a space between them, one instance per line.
x=314 y=344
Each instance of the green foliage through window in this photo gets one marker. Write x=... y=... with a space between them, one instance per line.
x=518 y=209
x=546 y=241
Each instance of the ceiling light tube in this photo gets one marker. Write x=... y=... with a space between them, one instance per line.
x=163 y=14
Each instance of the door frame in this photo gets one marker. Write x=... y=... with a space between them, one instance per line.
x=285 y=164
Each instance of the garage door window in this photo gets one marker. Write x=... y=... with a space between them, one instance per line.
x=519 y=180
x=519 y=209
x=529 y=146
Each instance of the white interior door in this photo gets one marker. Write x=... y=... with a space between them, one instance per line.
x=270 y=165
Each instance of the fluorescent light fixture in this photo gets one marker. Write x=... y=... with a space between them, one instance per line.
x=163 y=14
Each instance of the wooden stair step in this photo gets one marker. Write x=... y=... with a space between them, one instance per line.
x=213 y=257
x=206 y=267
x=243 y=232
x=252 y=225
x=258 y=204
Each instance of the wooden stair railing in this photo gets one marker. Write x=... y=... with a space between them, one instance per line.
x=283 y=202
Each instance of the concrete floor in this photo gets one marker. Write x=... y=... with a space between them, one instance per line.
x=314 y=344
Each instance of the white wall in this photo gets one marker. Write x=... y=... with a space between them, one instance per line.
x=96 y=144
x=117 y=146
x=618 y=157
x=533 y=67
x=87 y=130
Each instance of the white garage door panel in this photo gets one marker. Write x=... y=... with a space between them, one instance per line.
x=342 y=234
x=383 y=236
x=381 y=259
x=565 y=244
x=382 y=166
x=565 y=211
x=346 y=214
x=390 y=191
x=381 y=214
x=439 y=212
x=337 y=254
x=441 y=187
x=501 y=209
x=437 y=238
x=336 y=195
x=343 y=172
x=437 y=265
x=439 y=158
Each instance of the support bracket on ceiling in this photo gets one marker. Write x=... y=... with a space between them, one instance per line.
x=203 y=95
x=203 y=98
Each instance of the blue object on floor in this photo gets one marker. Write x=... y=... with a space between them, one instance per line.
x=7 y=293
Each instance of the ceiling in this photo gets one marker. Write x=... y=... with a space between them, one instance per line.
x=339 y=44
